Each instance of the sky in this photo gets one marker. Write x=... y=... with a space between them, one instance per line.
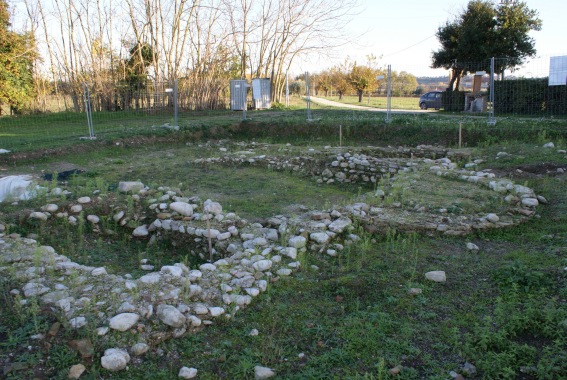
x=402 y=33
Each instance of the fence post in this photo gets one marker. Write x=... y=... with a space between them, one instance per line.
x=308 y=95
x=389 y=95
x=286 y=89
x=491 y=117
x=175 y=101
x=88 y=111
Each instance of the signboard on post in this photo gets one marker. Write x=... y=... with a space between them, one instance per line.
x=558 y=71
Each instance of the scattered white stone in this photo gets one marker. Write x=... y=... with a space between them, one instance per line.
x=216 y=311
x=141 y=231
x=98 y=271
x=290 y=252
x=124 y=321
x=182 y=208
x=340 y=225
x=76 y=371
x=261 y=373
x=472 y=247
x=493 y=218
x=187 y=373
x=436 y=276
x=297 y=242
x=101 y=331
x=51 y=207
x=139 y=349
x=253 y=332
x=170 y=315
x=76 y=209
x=119 y=215
x=38 y=216
x=320 y=237
x=173 y=270
x=549 y=145
x=210 y=207
x=77 y=322
x=262 y=265
x=83 y=200
x=93 y=219
x=542 y=199
x=130 y=187
x=530 y=202
x=207 y=267
x=115 y=359
x=283 y=272
x=150 y=278
x=32 y=289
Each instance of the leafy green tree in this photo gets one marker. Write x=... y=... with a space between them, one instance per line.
x=362 y=78
x=323 y=82
x=483 y=31
x=297 y=87
x=403 y=84
x=17 y=56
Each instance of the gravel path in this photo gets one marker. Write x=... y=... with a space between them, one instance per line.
x=331 y=103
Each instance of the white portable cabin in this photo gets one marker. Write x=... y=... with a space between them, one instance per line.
x=238 y=94
x=261 y=93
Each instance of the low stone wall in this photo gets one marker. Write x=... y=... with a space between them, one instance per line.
x=176 y=300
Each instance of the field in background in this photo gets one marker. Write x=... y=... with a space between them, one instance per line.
x=398 y=103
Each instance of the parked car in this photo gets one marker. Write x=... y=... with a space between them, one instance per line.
x=431 y=100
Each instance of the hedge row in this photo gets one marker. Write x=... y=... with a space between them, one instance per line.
x=529 y=97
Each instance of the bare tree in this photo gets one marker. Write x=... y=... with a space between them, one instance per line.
x=209 y=41
x=280 y=31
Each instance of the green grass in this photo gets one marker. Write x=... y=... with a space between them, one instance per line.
x=502 y=309
x=402 y=102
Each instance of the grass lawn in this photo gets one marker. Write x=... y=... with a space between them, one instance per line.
x=503 y=309
x=402 y=102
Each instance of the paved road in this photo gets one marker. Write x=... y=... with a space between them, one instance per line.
x=331 y=103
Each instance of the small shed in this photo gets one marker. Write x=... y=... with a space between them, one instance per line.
x=261 y=93
x=238 y=93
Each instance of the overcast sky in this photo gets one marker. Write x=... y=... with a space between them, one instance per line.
x=402 y=32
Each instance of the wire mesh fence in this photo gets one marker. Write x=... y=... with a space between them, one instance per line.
x=487 y=89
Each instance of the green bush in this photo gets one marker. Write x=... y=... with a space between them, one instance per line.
x=529 y=97
x=453 y=100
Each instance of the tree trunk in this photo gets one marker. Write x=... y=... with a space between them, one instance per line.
x=360 y=94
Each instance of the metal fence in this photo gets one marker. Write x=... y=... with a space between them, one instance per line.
x=490 y=89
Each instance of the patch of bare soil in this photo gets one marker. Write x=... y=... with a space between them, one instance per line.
x=533 y=171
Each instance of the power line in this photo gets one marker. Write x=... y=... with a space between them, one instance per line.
x=409 y=47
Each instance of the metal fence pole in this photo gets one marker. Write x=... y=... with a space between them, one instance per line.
x=308 y=95
x=286 y=89
x=491 y=117
x=175 y=105
x=88 y=111
x=389 y=95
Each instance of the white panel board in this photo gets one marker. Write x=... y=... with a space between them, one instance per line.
x=256 y=89
x=558 y=71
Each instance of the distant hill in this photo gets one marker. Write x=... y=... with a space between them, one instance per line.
x=432 y=83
